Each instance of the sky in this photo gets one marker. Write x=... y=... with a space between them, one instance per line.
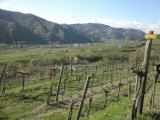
x=138 y=14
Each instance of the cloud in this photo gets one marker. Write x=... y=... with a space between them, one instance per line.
x=67 y=18
x=144 y=26
x=14 y=6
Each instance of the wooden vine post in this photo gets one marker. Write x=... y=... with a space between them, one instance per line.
x=51 y=73
x=157 y=73
x=2 y=80
x=83 y=97
x=23 y=74
x=136 y=84
x=70 y=110
x=118 y=92
x=90 y=104
x=64 y=87
x=2 y=72
x=79 y=83
x=106 y=97
x=4 y=84
x=130 y=89
x=51 y=93
x=140 y=88
x=151 y=36
x=59 y=83
x=139 y=77
x=111 y=72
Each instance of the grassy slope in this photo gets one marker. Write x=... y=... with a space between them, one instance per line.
x=122 y=110
x=32 y=105
x=114 y=111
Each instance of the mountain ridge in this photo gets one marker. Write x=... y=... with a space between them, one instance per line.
x=17 y=27
x=103 y=32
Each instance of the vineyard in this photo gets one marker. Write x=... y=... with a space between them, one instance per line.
x=74 y=89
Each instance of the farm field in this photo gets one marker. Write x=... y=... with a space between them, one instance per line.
x=52 y=82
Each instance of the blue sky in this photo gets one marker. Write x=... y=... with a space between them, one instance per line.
x=139 y=14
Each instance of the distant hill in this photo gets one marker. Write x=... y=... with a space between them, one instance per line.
x=16 y=27
x=105 y=33
x=28 y=28
x=11 y=32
